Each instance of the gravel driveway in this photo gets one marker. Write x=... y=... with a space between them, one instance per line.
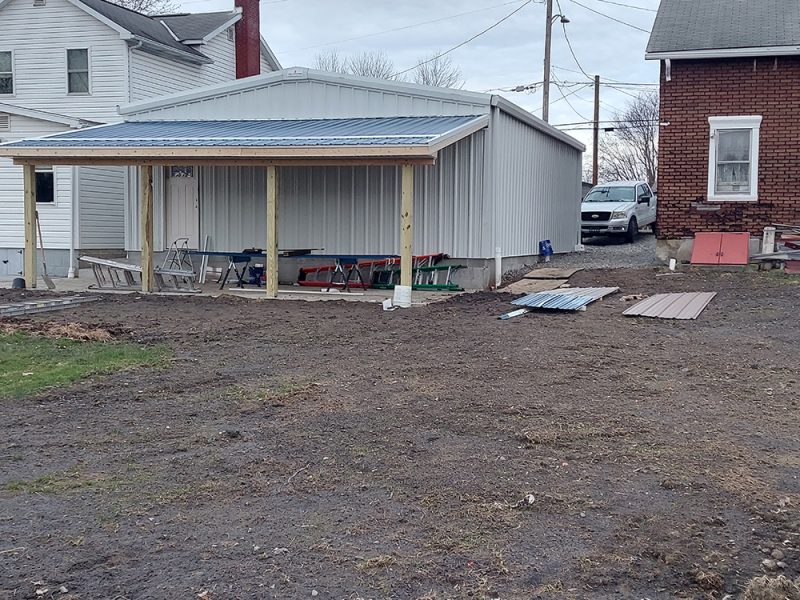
x=611 y=253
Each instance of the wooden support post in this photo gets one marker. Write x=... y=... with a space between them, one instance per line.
x=146 y=225
x=407 y=226
x=29 y=185
x=271 y=264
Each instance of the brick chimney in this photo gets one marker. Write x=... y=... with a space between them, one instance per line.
x=248 y=39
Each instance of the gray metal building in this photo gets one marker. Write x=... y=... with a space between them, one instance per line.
x=508 y=186
x=500 y=178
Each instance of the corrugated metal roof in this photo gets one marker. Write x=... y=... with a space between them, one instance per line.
x=390 y=131
x=672 y=306
x=564 y=299
x=683 y=25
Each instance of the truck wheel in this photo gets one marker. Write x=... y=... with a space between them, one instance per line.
x=633 y=231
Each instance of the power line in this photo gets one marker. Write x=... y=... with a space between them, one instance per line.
x=623 y=91
x=560 y=91
x=597 y=12
x=403 y=28
x=628 y=5
x=571 y=51
x=615 y=84
x=464 y=43
x=606 y=78
x=572 y=93
x=638 y=122
x=608 y=129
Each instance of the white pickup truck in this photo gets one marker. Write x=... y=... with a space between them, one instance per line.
x=618 y=208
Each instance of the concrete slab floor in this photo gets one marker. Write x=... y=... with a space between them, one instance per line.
x=85 y=283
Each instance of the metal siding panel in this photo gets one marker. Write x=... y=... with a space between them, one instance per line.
x=313 y=99
x=132 y=233
x=536 y=188
x=686 y=305
x=350 y=209
x=102 y=201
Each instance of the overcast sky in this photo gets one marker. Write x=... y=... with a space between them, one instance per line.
x=509 y=55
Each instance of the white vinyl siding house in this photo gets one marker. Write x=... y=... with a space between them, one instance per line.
x=69 y=64
x=40 y=37
x=153 y=76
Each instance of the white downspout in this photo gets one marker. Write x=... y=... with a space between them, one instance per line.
x=74 y=212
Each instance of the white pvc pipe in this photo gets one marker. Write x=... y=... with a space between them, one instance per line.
x=498 y=267
x=71 y=273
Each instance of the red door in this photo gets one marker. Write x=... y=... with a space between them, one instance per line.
x=735 y=249
x=721 y=248
x=706 y=248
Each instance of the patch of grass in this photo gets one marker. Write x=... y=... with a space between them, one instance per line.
x=384 y=561
x=780 y=276
x=251 y=399
x=31 y=363
x=66 y=481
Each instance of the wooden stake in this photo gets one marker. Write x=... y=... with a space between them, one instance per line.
x=29 y=184
x=407 y=225
x=271 y=264
x=146 y=226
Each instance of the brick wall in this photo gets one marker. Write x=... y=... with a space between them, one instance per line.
x=732 y=87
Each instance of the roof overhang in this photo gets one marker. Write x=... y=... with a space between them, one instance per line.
x=755 y=52
x=147 y=45
x=107 y=145
x=41 y=115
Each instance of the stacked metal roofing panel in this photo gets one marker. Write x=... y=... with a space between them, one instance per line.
x=672 y=306
x=564 y=299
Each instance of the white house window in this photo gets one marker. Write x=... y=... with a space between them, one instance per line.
x=78 y=71
x=6 y=72
x=733 y=158
x=45 y=185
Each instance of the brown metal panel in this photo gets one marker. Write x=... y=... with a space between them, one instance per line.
x=672 y=306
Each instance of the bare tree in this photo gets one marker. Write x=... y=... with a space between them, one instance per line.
x=150 y=7
x=372 y=63
x=438 y=71
x=369 y=63
x=331 y=61
x=630 y=150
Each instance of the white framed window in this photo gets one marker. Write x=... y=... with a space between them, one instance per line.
x=733 y=159
x=6 y=73
x=78 y=81
x=45 y=185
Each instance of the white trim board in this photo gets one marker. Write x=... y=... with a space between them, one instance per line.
x=725 y=53
x=752 y=123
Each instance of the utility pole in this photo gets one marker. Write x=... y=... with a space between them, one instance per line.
x=548 y=38
x=596 y=140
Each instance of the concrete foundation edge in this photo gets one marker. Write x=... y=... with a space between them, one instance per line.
x=57 y=260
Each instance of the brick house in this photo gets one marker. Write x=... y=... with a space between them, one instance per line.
x=729 y=147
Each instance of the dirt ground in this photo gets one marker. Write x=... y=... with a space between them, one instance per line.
x=331 y=450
